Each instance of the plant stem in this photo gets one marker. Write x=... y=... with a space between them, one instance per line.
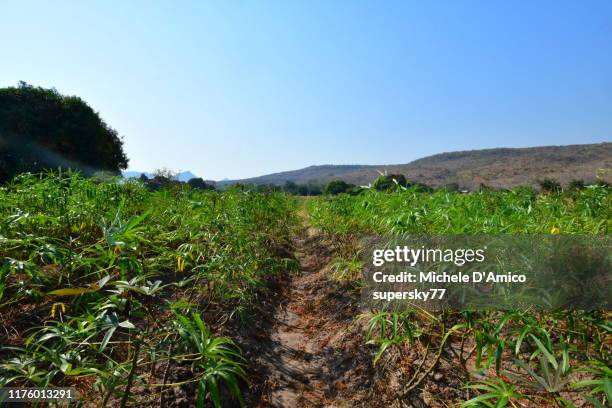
x=130 y=380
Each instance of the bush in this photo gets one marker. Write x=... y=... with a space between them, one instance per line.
x=337 y=187
x=390 y=182
x=420 y=187
x=199 y=183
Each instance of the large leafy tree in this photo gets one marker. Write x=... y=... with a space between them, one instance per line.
x=41 y=128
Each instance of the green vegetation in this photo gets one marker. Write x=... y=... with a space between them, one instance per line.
x=111 y=286
x=42 y=129
x=519 y=356
x=521 y=210
x=338 y=187
x=389 y=182
x=131 y=291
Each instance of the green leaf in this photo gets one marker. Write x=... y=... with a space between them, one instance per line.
x=71 y=291
x=214 y=392
x=65 y=367
x=201 y=396
x=544 y=350
x=607 y=388
x=498 y=356
x=107 y=338
x=596 y=403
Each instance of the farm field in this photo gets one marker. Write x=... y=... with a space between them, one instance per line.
x=181 y=297
x=468 y=358
x=110 y=288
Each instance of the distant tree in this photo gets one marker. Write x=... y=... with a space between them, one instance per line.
x=40 y=128
x=290 y=187
x=314 y=189
x=389 y=182
x=337 y=187
x=267 y=188
x=420 y=187
x=165 y=173
x=164 y=176
x=143 y=177
x=549 y=185
x=200 y=184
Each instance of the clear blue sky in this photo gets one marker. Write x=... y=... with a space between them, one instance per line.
x=244 y=88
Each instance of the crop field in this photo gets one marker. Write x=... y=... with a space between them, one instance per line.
x=139 y=298
x=494 y=358
x=109 y=287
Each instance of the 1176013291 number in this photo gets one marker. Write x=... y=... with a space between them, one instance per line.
x=17 y=394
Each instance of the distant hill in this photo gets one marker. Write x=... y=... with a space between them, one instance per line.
x=182 y=176
x=501 y=167
x=315 y=174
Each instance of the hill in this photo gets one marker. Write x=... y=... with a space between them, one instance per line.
x=501 y=167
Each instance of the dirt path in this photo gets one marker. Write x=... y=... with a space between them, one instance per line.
x=300 y=376
x=307 y=358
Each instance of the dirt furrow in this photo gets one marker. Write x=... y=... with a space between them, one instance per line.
x=307 y=359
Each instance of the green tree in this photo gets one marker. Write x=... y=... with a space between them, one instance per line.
x=302 y=189
x=290 y=187
x=338 y=187
x=199 y=183
x=314 y=189
x=41 y=128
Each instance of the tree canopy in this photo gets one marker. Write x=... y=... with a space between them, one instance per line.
x=338 y=187
x=41 y=128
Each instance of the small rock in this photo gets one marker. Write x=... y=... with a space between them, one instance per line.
x=438 y=376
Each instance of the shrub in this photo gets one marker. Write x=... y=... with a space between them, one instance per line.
x=199 y=183
x=390 y=182
x=338 y=187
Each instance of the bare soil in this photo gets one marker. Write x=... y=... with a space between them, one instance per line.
x=312 y=352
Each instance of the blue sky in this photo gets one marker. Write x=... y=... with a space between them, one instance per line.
x=243 y=88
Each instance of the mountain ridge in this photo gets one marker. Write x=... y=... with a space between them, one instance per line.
x=497 y=167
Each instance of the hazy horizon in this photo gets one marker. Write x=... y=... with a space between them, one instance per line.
x=246 y=89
